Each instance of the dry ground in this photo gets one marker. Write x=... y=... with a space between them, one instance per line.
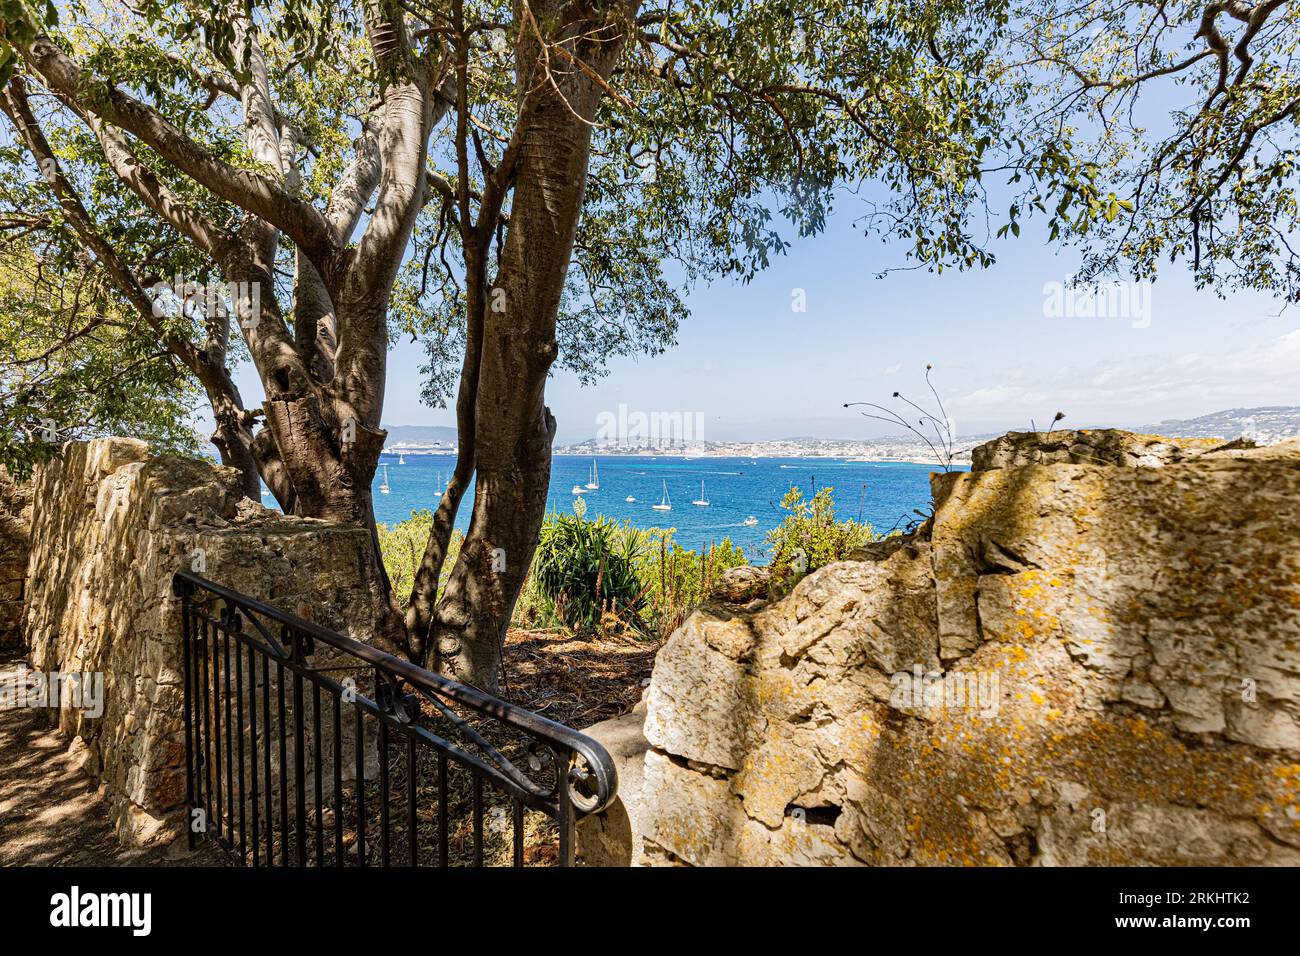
x=576 y=681
x=50 y=812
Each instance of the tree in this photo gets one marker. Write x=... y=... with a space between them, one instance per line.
x=74 y=362
x=505 y=180
x=227 y=132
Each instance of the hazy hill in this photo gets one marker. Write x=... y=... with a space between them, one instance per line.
x=1267 y=423
x=1264 y=424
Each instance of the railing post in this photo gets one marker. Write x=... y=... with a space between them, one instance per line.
x=183 y=589
x=564 y=819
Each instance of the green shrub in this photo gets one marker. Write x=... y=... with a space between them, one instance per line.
x=587 y=569
x=809 y=537
x=589 y=574
x=402 y=546
x=586 y=574
x=678 y=579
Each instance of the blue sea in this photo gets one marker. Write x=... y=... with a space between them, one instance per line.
x=881 y=493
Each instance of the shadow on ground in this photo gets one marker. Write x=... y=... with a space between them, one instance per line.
x=50 y=811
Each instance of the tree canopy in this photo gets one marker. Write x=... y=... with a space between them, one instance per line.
x=526 y=184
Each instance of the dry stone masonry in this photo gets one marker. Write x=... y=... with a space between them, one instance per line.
x=110 y=527
x=1090 y=655
x=15 y=545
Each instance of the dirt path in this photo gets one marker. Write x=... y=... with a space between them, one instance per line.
x=50 y=812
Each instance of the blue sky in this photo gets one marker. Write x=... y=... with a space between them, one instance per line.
x=756 y=369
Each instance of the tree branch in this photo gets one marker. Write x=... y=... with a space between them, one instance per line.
x=257 y=194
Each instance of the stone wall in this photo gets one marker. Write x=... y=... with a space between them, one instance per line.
x=111 y=526
x=15 y=544
x=1089 y=656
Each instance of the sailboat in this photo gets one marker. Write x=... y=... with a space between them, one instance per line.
x=595 y=477
x=401 y=459
x=666 y=504
x=383 y=488
x=701 y=501
x=749 y=521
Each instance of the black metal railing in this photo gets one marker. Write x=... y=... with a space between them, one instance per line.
x=307 y=748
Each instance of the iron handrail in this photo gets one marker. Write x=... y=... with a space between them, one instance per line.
x=603 y=782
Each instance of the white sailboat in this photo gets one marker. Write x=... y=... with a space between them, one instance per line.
x=383 y=488
x=594 y=483
x=666 y=504
x=401 y=459
x=749 y=521
x=701 y=501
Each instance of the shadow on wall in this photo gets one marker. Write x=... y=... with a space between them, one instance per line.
x=15 y=547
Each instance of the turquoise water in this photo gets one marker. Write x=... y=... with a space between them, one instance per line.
x=881 y=493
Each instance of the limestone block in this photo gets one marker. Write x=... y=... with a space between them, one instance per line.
x=1090 y=656
x=613 y=837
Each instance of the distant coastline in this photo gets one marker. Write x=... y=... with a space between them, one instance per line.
x=914 y=458
x=1264 y=425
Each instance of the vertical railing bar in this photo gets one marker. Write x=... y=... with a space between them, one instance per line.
x=383 y=794
x=412 y=842
x=243 y=785
x=360 y=749
x=519 y=832
x=206 y=721
x=266 y=760
x=216 y=728
x=338 y=779
x=564 y=818
x=316 y=774
x=299 y=756
x=284 y=770
x=478 y=819
x=230 y=769
x=443 y=836
x=186 y=656
x=252 y=737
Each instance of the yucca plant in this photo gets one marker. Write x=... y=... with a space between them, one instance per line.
x=587 y=569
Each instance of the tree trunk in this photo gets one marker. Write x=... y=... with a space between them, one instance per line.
x=514 y=427
x=236 y=453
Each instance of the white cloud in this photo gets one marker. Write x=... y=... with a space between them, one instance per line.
x=1141 y=389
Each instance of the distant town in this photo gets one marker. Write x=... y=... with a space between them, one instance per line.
x=1264 y=426
x=890 y=448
